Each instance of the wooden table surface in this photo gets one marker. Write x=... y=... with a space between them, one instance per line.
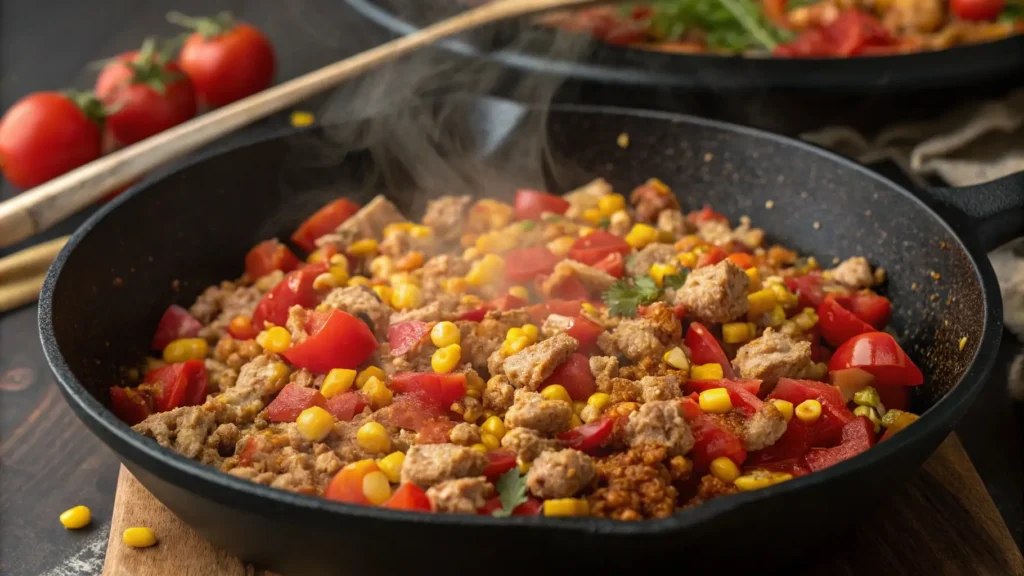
x=49 y=461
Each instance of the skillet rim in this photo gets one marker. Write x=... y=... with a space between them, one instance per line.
x=238 y=493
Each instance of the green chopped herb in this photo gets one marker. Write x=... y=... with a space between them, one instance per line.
x=527 y=224
x=794 y=4
x=512 y=492
x=1011 y=13
x=675 y=281
x=604 y=223
x=732 y=25
x=625 y=296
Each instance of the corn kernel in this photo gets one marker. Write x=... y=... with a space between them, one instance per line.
x=385 y=293
x=359 y=281
x=871 y=414
x=589 y=309
x=777 y=316
x=599 y=400
x=592 y=215
x=725 y=469
x=446 y=359
x=687 y=260
x=566 y=507
x=519 y=292
x=301 y=119
x=445 y=334
x=277 y=340
x=808 y=411
x=715 y=401
x=641 y=235
x=139 y=537
x=480 y=447
x=761 y=302
x=470 y=253
x=531 y=331
x=575 y=421
x=806 y=319
x=324 y=281
x=362 y=248
x=524 y=467
x=184 y=349
x=314 y=423
x=752 y=482
x=490 y=440
x=338 y=380
x=470 y=300
x=578 y=406
x=407 y=297
x=754 y=275
x=610 y=204
x=316 y=256
x=785 y=408
x=497 y=241
x=736 y=332
x=382 y=267
x=376 y=487
x=397 y=227
x=454 y=286
x=419 y=232
x=585 y=231
x=494 y=426
x=488 y=270
x=706 y=372
x=560 y=246
x=402 y=278
x=867 y=396
x=373 y=437
x=391 y=466
x=515 y=346
x=367 y=373
x=75 y=518
x=556 y=392
x=377 y=393
x=659 y=271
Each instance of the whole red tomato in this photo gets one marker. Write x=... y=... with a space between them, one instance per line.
x=145 y=93
x=47 y=134
x=226 y=61
x=977 y=9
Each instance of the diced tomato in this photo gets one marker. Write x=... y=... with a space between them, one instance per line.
x=871 y=308
x=981 y=10
x=691 y=409
x=564 y=307
x=323 y=221
x=742 y=393
x=507 y=302
x=852 y=30
x=525 y=264
x=586 y=332
x=879 y=354
x=894 y=397
x=588 y=437
x=404 y=336
x=241 y=328
x=336 y=339
x=530 y=204
x=713 y=256
x=347 y=484
x=704 y=349
x=176 y=323
x=570 y=288
x=498 y=462
x=819 y=352
x=614 y=264
x=177 y=385
x=292 y=400
x=839 y=324
x=346 y=405
x=129 y=404
x=809 y=290
x=410 y=412
x=795 y=466
x=575 y=376
x=268 y=256
x=712 y=441
x=253 y=446
x=826 y=430
x=531 y=507
x=435 y=431
x=794 y=443
x=597 y=246
x=295 y=289
x=474 y=315
x=437 y=389
x=857 y=436
x=408 y=496
x=741 y=259
x=706 y=214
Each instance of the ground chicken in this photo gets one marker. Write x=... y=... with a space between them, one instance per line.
x=854 y=273
x=653 y=388
x=435 y=271
x=362 y=303
x=531 y=410
x=604 y=368
x=660 y=424
x=640 y=263
x=445 y=307
x=446 y=216
x=528 y=444
x=715 y=294
x=498 y=394
x=650 y=200
x=465 y=434
x=258 y=382
x=185 y=430
x=594 y=280
x=371 y=220
x=555 y=324
x=624 y=390
x=711 y=487
x=643 y=337
x=461 y=496
x=673 y=222
x=772 y=356
x=217 y=305
x=763 y=428
x=430 y=464
x=631 y=488
x=561 y=474
x=481 y=339
x=586 y=197
x=531 y=367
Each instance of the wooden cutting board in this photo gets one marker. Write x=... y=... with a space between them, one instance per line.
x=942 y=522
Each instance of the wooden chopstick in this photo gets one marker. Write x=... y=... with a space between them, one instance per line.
x=20 y=292
x=22 y=273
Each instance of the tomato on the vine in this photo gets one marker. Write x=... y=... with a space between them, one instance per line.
x=225 y=60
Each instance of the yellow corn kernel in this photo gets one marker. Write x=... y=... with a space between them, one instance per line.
x=474 y=381
x=385 y=293
x=531 y=331
x=479 y=447
x=324 y=282
x=519 y=292
x=314 y=423
x=761 y=302
x=490 y=269
x=871 y=414
x=725 y=469
x=301 y=119
x=376 y=487
x=419 y=231
x=373 y=437
x=497 y=241
x=470 y=300
x=75 y=518
x=490 y=440
x=808 y=411
x=599 y=400
x=338 y=380
x=382 y=267
x=391 y=466
x=585 y=231
x=589 y=309
x=470 y=253
x=445 y=334
x=402 y=278
x=750 y=482
x=576 y=421
x=592 y=215
x=184 y=349
x=785 y=298
x=706 y=372
x=524 y=467
x=806 y=319
x=785 y=408
x=454 y=286
x=677 y=359
x=754 y=275
x=494 y=426
x=397 y=227
x=407 y=297
x=362 y=248
x=377 y=393
x=560 y=246
x=515 y=346
x=566 y=507
x=659 y=271
x=316 y=256
x=514 y=333
x=611 y=203
x=715 y=401
x=446 y=359
x=339 y=272
x=556 y=392
x=736 y=332
x=867 y=396
x=687 y=259
x=578 y=406
x=367 y=373
x=641 y=235
x=277 y=340
x=359 y=281
x=139 y=537
x=364 y=466
x=777 y=316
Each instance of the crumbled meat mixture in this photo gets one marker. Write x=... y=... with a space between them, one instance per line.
x=772 y=356
x=560 y=474
x=371 y=220
x=531 y=367
x=649 y=201
x=660 y=424
x=586 y=197
x=429 y=464
x=460 y=496
x=188 y=430
x=715 y=293
x=645 y=336
x=604 y=368
x=465 y=434
x=631 y=488
x=257 y=383
x=217 y=305
x=531 y=410
x=528 y=444
x=435 y=271
x=654 y=388
x=446 y=307
x=624 y=390
x=594 y=280
x=481 y=339
x=763 y=428
x=498 y=394
x=555 y=324
x=362 y=303
x=675 y=223
x=854 y=273
x=711 y=487
x=446 y=215
x=640 y=264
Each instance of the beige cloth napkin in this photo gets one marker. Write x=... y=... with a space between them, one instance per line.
x=977 y=143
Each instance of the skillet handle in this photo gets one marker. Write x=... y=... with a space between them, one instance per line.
x=991 y=212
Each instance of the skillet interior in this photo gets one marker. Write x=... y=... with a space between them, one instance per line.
x=165 y=242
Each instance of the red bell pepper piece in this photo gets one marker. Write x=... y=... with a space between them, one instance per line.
x=597 y=246
x=810 y=290
x=177 y=385
x=410 y=412
x=575 y=376
x=253 y=446
x=129 y=404
x=793 y=444
x=175 y=323
x=347 y=484
x=525 y=264
x=409 y=496
x=437 y=389
x=871 y=308
x=322 y=222
x=614 y=264
x=336 y=340
x=588 y=437
x=474 y=315
x=691 y=409
x=570 y=288
x=742 y=393
x=704 y=349
x=498 y=462
x=879 y=354
x=857 y=436
x=404 y=336
x=713 y=256
x=531 y=507
x=586 y=332
x=837 y=323
x=826 y=430
x=292 y=400
x=346 y=405
x=530 y=204
x=711 y=440
x=268 y=256
x=295 y=288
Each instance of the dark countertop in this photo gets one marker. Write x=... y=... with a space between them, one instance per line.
x=48 y=460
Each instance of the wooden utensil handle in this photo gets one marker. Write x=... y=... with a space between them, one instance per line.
x=49 y=203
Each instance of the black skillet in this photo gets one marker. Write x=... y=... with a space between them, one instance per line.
x=165 y=240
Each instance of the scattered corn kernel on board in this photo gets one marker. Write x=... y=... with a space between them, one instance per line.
x=943 y=522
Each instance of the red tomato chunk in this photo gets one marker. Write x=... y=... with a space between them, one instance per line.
x=292 y=400
x=336 y=340
x=175 y=323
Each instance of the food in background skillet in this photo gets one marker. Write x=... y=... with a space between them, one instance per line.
x=590 y=354
x=799 y=28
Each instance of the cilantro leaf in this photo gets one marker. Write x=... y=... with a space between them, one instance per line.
x=512 y=492
x=625 y=296
x=675 y=281
x=527 y=225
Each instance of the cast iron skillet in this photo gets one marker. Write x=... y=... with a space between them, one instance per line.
x=165 y=240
